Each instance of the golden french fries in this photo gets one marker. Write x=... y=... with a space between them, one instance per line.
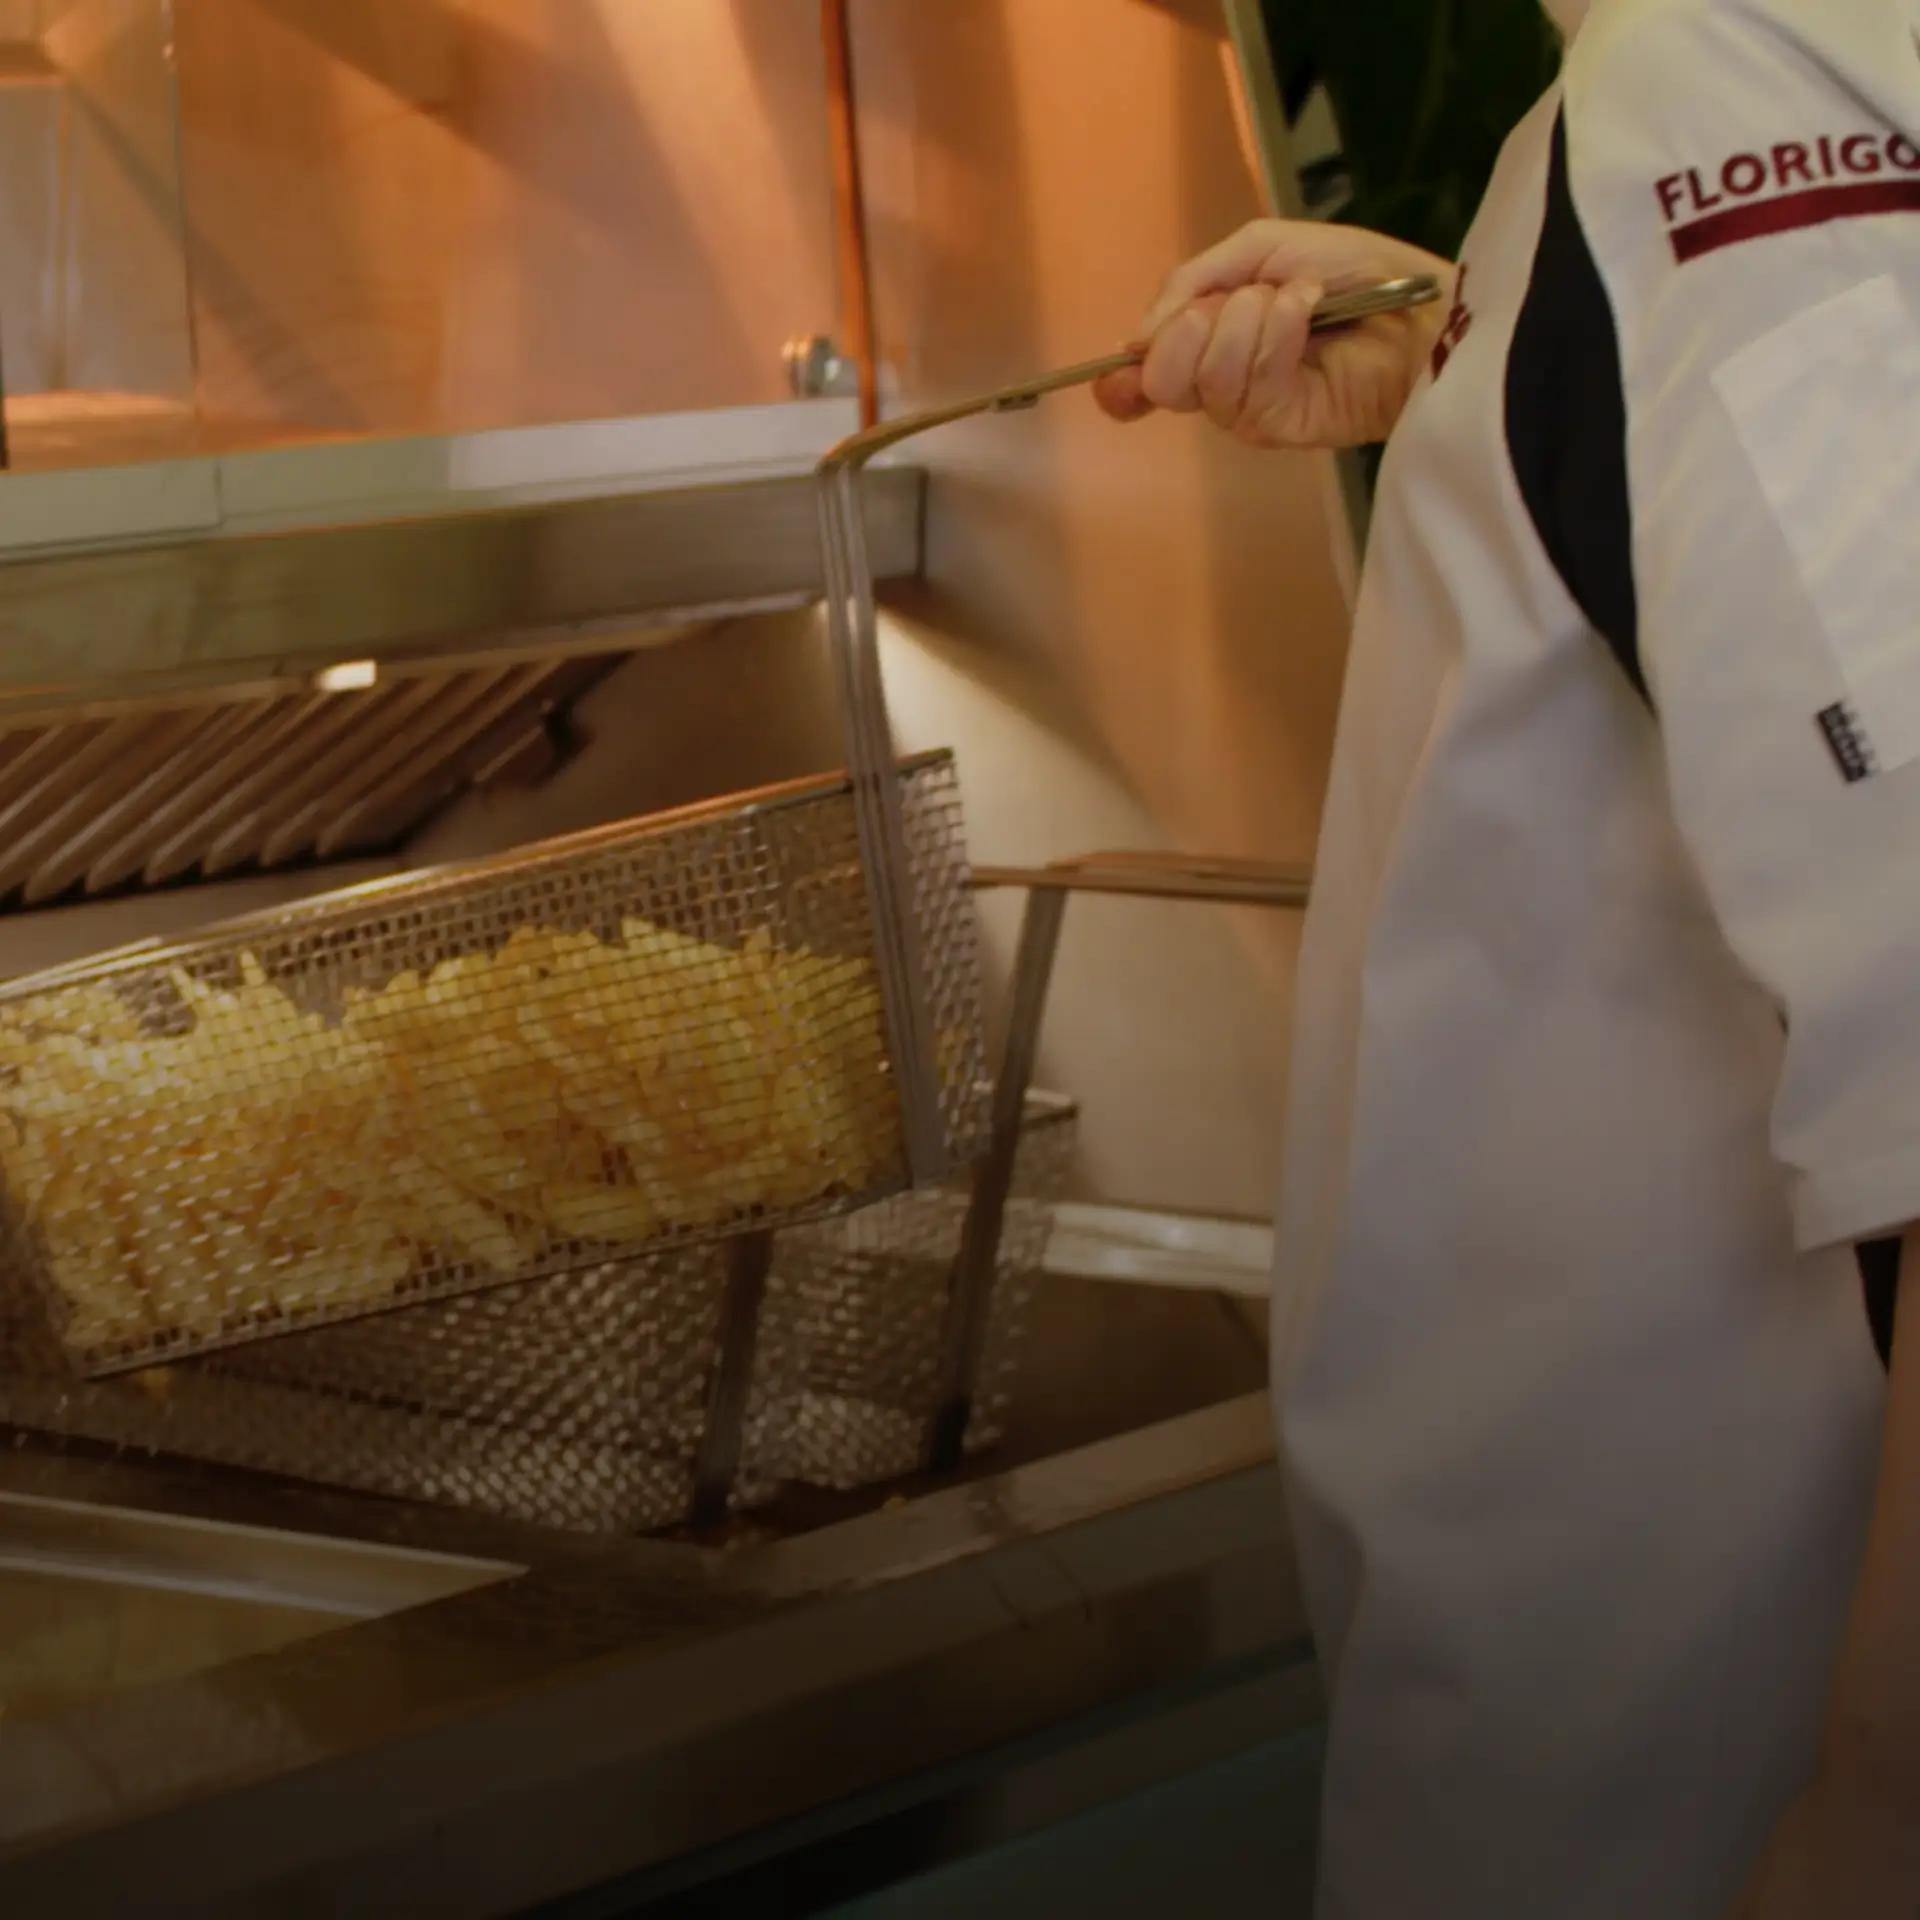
x=466 y=1120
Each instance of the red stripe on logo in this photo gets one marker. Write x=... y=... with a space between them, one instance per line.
x=1791 y=211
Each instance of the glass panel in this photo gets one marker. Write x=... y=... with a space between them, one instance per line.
x=414 y=216
x=96 y=335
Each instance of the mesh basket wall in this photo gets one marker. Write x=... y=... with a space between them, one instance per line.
x=580 y=1401
x=856 y=1313
x=592 y=1051
x=572 y=1402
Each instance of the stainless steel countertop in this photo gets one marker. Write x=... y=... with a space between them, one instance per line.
x=624 y=1703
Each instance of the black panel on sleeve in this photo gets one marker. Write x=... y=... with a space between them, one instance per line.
x=1567 y=424
x=1880 y=1275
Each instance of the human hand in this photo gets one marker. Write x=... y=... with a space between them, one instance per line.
x=1842 y=1852
x=1230 y=336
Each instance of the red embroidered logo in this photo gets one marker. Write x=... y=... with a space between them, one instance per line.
x=1459 y=325
x=1791 y=184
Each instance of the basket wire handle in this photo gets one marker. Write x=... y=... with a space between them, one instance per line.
x=716 y=1466
x=1152 y=876
x=880 y=818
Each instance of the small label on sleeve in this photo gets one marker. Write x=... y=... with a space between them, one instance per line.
x=1852 y=750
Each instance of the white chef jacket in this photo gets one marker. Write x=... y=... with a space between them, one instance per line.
x=1608 y=1049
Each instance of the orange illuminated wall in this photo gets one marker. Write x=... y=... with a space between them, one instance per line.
x=426 y=214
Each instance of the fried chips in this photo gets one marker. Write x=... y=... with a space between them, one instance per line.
x=240 y=1162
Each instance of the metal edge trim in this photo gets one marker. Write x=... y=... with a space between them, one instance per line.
x=428 y=882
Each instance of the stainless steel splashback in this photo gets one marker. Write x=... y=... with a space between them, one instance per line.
x=221 y=608
x=229 y=703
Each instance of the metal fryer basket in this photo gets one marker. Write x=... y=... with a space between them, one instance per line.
x=585 y=1401
x=574 y=1402
x=638 y=1038
x=856 y=1319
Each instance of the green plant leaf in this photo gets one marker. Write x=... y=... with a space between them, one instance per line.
x=1424 y=92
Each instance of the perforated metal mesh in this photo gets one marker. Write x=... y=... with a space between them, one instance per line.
x=576 y=1402
x=856 y=1316
x=637 y=1038
x=580 y=1401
